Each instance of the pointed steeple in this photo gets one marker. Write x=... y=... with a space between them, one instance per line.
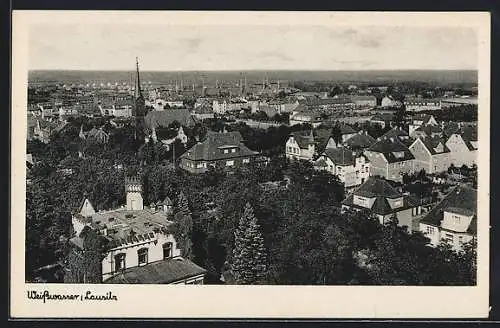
x=138 y=91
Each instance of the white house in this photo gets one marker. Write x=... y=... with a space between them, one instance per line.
x=300 y=146
x=141 y=249
x=351 y=168
x=453 y=220
x=463 y=147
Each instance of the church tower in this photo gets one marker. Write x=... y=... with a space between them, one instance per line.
x=139 y=110
x=133 y=189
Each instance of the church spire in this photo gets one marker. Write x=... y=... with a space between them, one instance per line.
x=138 y=91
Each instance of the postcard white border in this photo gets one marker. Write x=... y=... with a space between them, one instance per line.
x=151 y=301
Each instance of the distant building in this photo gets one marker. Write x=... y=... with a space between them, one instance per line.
x=301 y=146
x=302 y=118
x=226 y=149
x=388 y=101
x=141 y=249
x=383 y=201
x=367 y=101
x=155 y=119
x=413 y=104
x=351 y=168
x=229 y=105
x=383 y=119
x=203 y=113
x=390 y=159
x=453 y=220
x=421 y=120
x=397 y=133
x=44 y=129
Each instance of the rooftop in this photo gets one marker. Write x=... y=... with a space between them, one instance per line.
x=374 y=187
x=460 y=200
x=389 y=146
x=160 y=272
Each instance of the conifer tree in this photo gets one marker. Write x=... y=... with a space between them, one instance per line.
x=184 y=226
x=249 y=254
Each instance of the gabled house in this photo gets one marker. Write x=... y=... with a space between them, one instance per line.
x=431 y=155
x=453 y=220
x=383 y=201
x=359 y=141
x=390 y=158
x=44 y=129
x=352 y=169
x=301 y=146
x=463 y=146
x=397 y=133
x=226 y=149
x=421 y=120
x=383 y=119
x=431 y=131
x=300 y=117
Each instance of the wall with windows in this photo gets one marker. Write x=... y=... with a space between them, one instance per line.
x=397 y=169
x=131 y=252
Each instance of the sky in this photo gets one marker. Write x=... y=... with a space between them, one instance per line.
x=245 y=47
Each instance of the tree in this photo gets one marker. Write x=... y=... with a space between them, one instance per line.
x=183 y=227
x=85 y=265
x=336 y=134
x=249 y=261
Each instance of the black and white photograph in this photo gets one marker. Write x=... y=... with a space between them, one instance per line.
x=250 y=150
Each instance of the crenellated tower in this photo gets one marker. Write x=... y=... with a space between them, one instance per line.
x=133 y=189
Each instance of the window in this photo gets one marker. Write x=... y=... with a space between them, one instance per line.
x=142 y=256
x=233 y=150
x=246 y=160
x=229 y=163
x=167 y=250
x=448 y=237
x=199 y=165
x=119 y=261
x=226 y=151
x=429 y=230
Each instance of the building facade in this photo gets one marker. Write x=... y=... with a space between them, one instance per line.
x=352 y=169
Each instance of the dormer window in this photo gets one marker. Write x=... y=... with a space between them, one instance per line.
x=399 y=154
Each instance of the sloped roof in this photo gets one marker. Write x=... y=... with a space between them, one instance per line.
x=374 y=187
x=432 y=143
x=388 y=147
x=160 y=272
x=381 y=205
x=450 y=128
x=340 y=156
x=460 y=197
x=208 y=149
x=303 y=139
x=395 y=133
x=385 y=117
x=360 y=140
x=429 y=129
x=154 y=119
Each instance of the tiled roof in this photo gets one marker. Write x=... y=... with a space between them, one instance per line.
x=381 y=205
x=388 y=147
x=374 y=187
x=460 y=197
x=303 y=139
x=395 y=133
x=385 y=117
x=429 y=129
x=340 y=156
x=160 y=272
x=164 y=118
x=432 y=143
x=360 y=140
x=209 y=148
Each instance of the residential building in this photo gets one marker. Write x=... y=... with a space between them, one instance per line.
x=202 y=113
x=226 y=149
x=390 y=159
x=366 y=101
x=383 y=119
x=415 y=104
x=303 y=117
x=397 y=133
x=431 y=155
x=421 y=120
x=453 y=220
x=388 y=101
x=359 y=141
x=44 y=129
x=301 y=146
x=463 y=146
x=141 y=249
x=352 y=169
x=383 y=201
x=229 y=105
